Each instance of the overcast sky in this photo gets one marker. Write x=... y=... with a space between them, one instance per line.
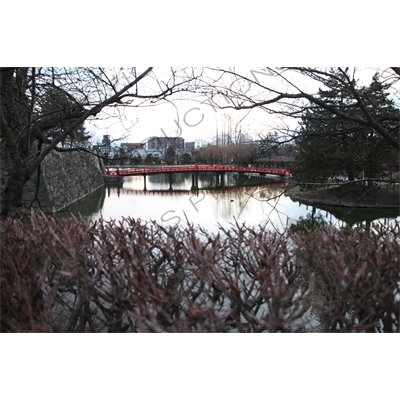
x=195 y=120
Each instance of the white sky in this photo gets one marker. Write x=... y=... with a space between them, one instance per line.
x=186 y=119
x=195 y=121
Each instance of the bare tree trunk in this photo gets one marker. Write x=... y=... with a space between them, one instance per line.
x=14 y=113
x=13 y=194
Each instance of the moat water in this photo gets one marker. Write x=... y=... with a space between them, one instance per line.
x=252 y=201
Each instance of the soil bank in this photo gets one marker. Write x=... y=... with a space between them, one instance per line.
x=349 y=195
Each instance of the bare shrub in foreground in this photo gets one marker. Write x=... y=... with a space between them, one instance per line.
x=73 y=275
x=358 y=277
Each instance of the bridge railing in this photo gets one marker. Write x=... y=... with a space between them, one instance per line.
x=195 y=168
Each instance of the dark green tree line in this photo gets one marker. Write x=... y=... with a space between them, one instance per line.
x=330 y=145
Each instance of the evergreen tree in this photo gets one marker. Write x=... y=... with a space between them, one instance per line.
x=330 y=145
x=149 y=159
x=170 y=156
x=186 y=159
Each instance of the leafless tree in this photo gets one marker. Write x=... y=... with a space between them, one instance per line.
x=78 y=94
x=290 y=91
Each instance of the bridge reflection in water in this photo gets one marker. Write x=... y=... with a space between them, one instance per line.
x=174 y=192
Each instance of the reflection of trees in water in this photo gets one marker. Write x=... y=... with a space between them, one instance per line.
x=269 y=196
x=361 y=216
x=346 y=216
x=207 y=180
x=164 y=179
x=234 y=202
x=88 y=206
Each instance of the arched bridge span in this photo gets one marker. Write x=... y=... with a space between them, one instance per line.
x=169 y=169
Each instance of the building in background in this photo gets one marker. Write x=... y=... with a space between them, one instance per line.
x=155 y=147
x=105 y=147
x=190 y=147
x=161 y=144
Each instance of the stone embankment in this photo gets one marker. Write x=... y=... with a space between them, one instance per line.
x=63 y=179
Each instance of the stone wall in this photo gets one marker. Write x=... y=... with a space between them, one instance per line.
x=64 y=178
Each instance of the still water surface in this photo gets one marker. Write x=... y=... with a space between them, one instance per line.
x=257 y=201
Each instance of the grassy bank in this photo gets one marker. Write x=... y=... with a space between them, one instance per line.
x=348 y=195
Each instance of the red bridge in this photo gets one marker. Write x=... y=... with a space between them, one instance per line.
x=195 y=169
